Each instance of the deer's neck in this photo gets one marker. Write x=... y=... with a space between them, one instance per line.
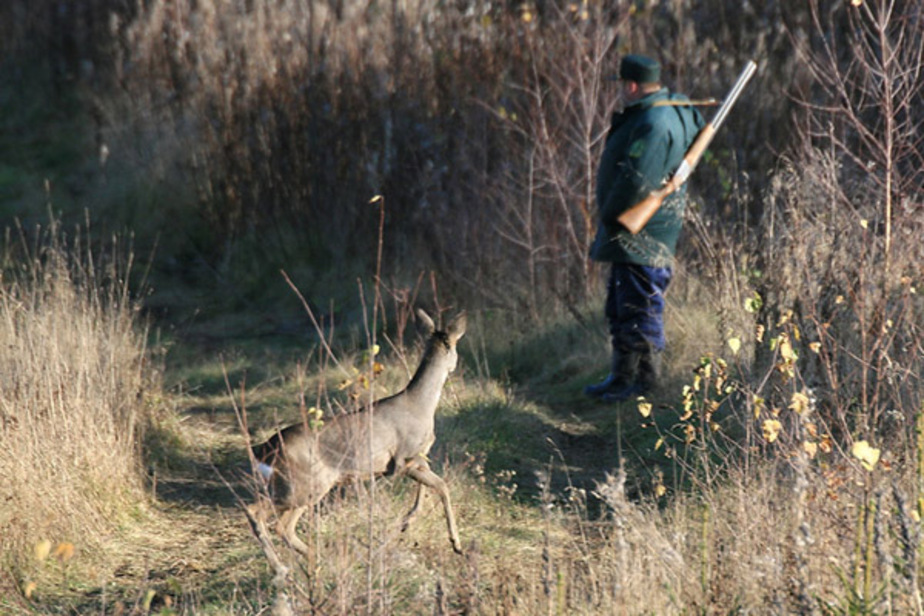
x=427 y=383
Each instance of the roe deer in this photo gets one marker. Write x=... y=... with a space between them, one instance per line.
x=302 y=464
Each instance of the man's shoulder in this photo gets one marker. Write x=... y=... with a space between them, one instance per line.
x=671 y=113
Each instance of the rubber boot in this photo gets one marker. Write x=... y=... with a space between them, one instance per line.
x=610 y=383
x=627 y=385
x=649 y=370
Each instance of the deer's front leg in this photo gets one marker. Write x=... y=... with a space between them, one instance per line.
x=420 y=471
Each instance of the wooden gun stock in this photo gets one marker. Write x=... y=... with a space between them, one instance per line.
x=636 y=217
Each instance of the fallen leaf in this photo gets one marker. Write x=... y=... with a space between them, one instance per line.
x=64 y=552
x=42 y=550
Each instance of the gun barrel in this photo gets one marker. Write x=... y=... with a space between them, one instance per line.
x=743 y=79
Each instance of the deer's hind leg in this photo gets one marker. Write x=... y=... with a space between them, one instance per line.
x=286 y=527
x=257 y=515
x=420 y=471
x=406 y=522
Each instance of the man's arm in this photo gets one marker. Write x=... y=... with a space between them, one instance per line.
x=639 y=172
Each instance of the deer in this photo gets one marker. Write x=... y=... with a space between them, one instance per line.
x=301 y=464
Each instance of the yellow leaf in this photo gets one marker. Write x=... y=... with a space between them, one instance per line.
x=760 y=333
x=815 y=347
x=826 y=445
x=863 y=223
x=810 y=447
x=644 y=408
x=856 y=2
x=735 y=345
x=660 y=490
x=785 y=316
x=758 y=406
x=799 y=403
x=839 y=299
x=64 y=552
x=376 y=199
x=868 y=456
x=786 y=350
x=771 y=429
x=29 y=589
x=659 y=443
x=690 y=434
x=42 y=550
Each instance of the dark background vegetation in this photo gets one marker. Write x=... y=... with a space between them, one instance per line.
x=256 y=133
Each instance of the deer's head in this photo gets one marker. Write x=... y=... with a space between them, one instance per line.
x=443 y=342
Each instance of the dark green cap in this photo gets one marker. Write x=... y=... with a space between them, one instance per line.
x=640 y=69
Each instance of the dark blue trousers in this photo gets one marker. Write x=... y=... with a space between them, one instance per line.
x=635 y=306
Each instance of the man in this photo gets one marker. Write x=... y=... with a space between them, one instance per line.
x=645 y=144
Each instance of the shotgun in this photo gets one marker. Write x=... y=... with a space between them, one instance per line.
x=636 y=217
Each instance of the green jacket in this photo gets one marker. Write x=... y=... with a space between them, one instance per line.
x=644 y=146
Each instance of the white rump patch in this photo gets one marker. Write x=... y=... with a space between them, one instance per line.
x=265 y=470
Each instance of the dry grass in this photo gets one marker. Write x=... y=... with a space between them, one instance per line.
x=73 y=389
x=791 y=522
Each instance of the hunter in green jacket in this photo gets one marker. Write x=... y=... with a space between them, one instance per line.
x=644 y=146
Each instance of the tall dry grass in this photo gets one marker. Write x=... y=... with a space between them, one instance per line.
x=72 y=386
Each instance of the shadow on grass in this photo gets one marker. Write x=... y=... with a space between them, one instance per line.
x=526 y=445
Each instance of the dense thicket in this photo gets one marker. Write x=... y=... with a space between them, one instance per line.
x=274 y=123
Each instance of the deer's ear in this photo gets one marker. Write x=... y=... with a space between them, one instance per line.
x=426 y=321
x=457 y=327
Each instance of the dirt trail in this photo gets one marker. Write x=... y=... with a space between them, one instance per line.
x=199 y=550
